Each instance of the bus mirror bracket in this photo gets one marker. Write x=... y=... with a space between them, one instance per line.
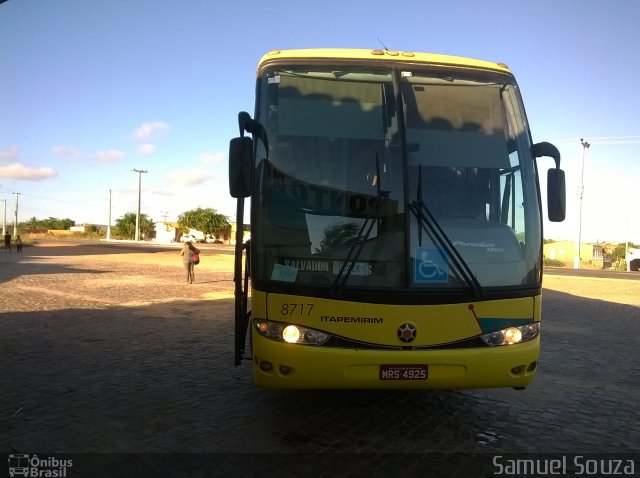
x=546 y=149
x=556 y=188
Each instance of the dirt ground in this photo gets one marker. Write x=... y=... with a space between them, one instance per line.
x=619 y=291
x=105 y=349
x=55 y=274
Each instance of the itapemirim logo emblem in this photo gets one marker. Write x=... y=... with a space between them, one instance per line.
x=407 y=332
x=34 y=467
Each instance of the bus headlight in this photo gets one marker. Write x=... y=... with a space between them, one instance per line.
x=293 y=334
x=512 y=335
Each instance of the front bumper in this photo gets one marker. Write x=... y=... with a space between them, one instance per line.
x=306 y=367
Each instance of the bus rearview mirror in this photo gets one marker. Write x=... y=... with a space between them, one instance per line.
x=556 y=195
x=240 y=167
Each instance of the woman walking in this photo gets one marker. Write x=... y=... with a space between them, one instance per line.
x=189 y=253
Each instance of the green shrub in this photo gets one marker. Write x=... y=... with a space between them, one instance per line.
x=553 y=262
x=619 y=265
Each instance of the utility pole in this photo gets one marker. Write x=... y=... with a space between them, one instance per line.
x=577 y=258
x=626 y=245
x=109 y=223
x=15 y=220
x=164 y=214
x=139 y=171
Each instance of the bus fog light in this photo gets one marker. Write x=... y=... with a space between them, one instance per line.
x=291 y=334
x=284 y=369
x=265 y=366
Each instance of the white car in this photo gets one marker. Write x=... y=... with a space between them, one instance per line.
x=188 y=238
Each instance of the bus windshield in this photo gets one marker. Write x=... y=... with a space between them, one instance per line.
x=405 y=178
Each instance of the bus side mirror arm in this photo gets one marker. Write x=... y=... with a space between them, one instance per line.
x=556 y=188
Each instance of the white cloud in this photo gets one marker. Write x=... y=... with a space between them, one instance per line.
x=110 y=156
x=146 y=131
x=163 y=193
x=147 y=148
x=66 y=152
x=212 y=158
x=189 y=177
x=20 y=171
x=9 y=154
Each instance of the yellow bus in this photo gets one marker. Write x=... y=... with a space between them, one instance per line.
x=396 y=223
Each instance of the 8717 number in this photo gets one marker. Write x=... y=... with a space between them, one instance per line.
x=301 y=310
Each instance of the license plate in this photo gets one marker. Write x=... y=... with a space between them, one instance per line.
x=403 y=372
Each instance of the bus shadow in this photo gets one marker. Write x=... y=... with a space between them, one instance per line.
x=160 y=377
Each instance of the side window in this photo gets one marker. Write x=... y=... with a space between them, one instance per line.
x=512 y=209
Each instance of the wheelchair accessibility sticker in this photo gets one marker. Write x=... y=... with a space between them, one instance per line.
x=430 y=266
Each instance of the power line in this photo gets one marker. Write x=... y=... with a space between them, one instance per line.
x=617 y=142
x=616 y=137
x=633 y=139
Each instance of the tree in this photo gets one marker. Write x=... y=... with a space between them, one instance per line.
x=126 y=225
x=338 y=235
x=619 y=251
x=66 y=223
x=32 y=223
x=207 y=221
x=52 y=223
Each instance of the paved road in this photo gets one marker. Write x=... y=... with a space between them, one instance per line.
x=107 y=351
x=595 y=273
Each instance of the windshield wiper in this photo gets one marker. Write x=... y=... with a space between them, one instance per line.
x=363 y=235
x=427 y=222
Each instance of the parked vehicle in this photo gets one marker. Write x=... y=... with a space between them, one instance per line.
x=188 y=238
x=396 y=223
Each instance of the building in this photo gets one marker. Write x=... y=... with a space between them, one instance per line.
x=166 y=232
x=84 y=228
x=591 y=255
x=633 y=259
x=246 y=233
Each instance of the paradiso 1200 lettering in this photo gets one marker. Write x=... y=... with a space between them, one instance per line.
x=396 y=223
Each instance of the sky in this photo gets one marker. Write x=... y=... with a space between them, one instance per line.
x=92 y=90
